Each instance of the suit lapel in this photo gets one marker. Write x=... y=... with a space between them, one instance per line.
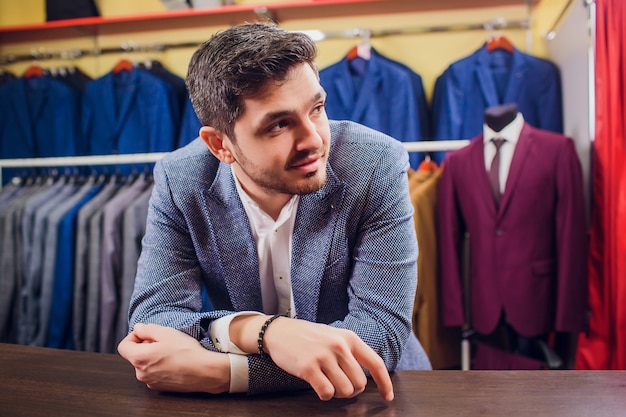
x=235 y=247
x=520 y=156
x=128 y=98
x=344 y=87
x=315 y=222
x=367 y=92
x=23 y=115
x=485 y=78
x=478 y=171
x=517 y=77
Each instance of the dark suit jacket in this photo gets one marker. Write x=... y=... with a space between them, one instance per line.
x=528 y=258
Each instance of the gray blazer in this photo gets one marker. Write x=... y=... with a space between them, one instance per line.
x=354 y=250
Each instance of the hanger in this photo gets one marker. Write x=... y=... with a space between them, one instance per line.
x=427 y=165
x=499 y=42
x=123 y=64
x=496 y=40
x=363 y=49
x=34 y=70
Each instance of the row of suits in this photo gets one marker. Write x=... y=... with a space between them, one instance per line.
x=388 y=96
x=135 y=110
x=69 y=251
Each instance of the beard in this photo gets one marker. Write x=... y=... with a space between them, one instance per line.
x=279 y=180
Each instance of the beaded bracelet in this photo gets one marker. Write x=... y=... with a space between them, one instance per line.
x=262 y=333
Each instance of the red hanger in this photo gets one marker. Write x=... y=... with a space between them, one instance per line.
x=499 y=42
x=428 y=165
x=123 y=65
x=34 y=71
x=359 y=51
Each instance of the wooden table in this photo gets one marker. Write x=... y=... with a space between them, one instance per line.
x=50 y=382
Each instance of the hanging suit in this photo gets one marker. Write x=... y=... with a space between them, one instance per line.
x=440 y=343
x=38 y=119
x=190 y=125
x=127 y=112
x=528 y=258
x=485 y=79
x=379 y=94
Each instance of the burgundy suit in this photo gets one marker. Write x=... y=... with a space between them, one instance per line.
x=528 y=258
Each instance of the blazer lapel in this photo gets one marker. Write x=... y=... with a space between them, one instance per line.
x=235 y=246
x=485 y=78
x=130 y=92
x=516 y=78
x=477 y=149
x=315 y=222
x=23 y=114
x=368 y=90
x=520 y=155
x=344 y=87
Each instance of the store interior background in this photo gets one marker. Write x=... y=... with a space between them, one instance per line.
x=428 y=54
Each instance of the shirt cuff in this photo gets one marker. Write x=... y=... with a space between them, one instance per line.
x=219 y=333
x=238 y=373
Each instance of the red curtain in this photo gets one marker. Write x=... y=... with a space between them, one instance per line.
x=604 y=347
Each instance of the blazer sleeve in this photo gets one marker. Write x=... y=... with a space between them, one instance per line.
x=168 y=285
x=450 y=238
x=572 y=243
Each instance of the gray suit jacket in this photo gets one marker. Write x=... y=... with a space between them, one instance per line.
x=354 y=249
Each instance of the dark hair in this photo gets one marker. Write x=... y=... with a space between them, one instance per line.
x=237 y=63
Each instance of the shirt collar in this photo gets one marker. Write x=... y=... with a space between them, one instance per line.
x=510 y=132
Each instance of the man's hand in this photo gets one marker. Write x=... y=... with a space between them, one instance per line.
x=328 y=358
x=166 y=359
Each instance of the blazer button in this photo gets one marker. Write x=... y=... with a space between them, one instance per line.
x=499 y=232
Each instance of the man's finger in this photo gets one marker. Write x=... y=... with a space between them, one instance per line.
x=374 y=363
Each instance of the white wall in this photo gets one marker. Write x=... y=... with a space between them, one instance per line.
x=569 y=50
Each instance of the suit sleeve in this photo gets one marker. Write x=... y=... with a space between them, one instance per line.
x=383 y=281
x=572 y=242
x=450 y=237
x=168 y=287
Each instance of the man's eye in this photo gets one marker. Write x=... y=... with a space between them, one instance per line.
x=278 y=126
x=318 y=109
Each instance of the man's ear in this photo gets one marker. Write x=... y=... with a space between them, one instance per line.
x=215 y=140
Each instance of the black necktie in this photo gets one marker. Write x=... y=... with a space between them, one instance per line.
x=494 y=170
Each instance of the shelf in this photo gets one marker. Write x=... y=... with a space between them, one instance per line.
x=229 y=15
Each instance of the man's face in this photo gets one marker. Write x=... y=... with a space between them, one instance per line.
x=282 y=138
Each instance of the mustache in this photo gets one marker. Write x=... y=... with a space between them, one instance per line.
x=306 y=156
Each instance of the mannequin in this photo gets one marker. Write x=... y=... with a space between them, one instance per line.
x=497 y=117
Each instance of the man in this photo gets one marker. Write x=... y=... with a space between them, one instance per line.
x=300 y=229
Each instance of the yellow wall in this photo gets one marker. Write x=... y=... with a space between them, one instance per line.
x=427 y=54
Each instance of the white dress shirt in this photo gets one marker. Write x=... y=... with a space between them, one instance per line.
x=511 y=134
x=273 y=241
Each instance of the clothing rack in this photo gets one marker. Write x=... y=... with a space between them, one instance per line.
x=139 y=158
x=551 y=34
x=497 y=23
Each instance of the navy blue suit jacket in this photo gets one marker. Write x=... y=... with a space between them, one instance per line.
x=127 y=112
x=381 y=94
x=485 y=79
x=38 y=118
